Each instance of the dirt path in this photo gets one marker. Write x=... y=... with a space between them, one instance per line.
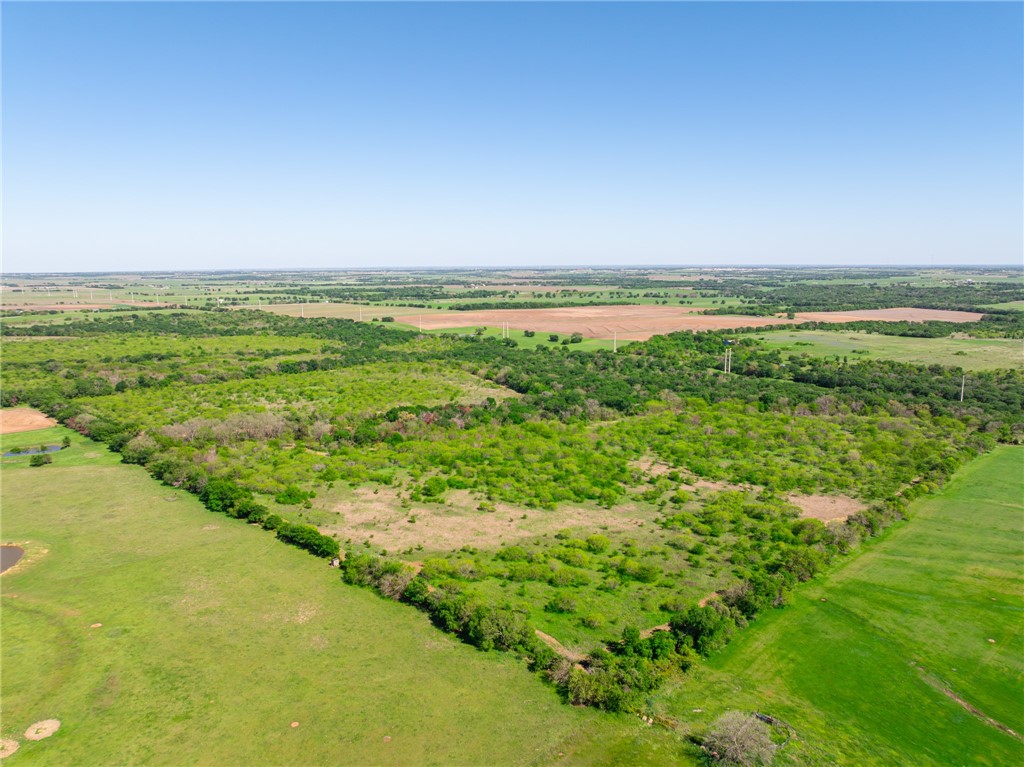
x=558 y=647
x=940 y=685
x=646 y=633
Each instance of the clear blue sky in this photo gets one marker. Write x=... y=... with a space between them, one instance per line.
x=199 y=135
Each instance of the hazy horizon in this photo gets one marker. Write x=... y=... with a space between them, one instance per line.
x=174 y=137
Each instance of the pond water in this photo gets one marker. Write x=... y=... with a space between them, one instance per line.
x=9 y=556
x=34 y=451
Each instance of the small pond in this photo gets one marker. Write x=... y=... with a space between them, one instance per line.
x=33 y=450
x=9 y=556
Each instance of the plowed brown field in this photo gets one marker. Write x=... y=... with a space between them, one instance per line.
x=638 y=323
x=17 y=419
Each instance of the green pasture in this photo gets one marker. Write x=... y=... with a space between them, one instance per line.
x=541 y=338
x=857 y=664
x=1017 y=305
x=215 y=638
x=966 y=353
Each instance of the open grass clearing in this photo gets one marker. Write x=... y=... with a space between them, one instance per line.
x=377 y=515
x=198 y=614
x=859 y=662
x=967 y=353
x=540 y=338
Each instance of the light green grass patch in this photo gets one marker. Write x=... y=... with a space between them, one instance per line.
x=857 y=663
x=966 y=353
x=541 y=338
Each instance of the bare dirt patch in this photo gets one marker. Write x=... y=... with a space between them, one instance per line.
x=558 y=647
x=826 y=507
x=304 y=614
x=628 y=323
x=43 y=729
x=651 y=466
x=8 y=747
x=902 y=314
x=16 y=419
x=379 y=518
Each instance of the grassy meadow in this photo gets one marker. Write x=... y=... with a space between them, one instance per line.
x=215 y=637
x=858 y=662
x=540 y=338
x=966 y=353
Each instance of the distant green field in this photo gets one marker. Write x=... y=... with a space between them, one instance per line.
x=215 y=638
x=1019 y=305
x=858 y=662
x=967 y=353
x=540 y=339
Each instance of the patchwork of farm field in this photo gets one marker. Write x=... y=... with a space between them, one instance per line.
x=966 y=353
x=910 y=653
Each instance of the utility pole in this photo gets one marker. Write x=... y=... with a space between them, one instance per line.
x=615 y=342
x=963 y=384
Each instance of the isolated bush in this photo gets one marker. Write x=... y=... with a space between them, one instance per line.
x=434 y=487
x=293 y=495
x=39 y=460
x=706 y=628
x=222 y=495
x=500 y=628
x=739 y=739
x=560 y=604
x=273 y=522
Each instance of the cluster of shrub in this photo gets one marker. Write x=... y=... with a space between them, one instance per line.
x=614 y=679
x=225 y=497
x=807 y=296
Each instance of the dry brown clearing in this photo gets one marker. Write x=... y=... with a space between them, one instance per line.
x=17 y=419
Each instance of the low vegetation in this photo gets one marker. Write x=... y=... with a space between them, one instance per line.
x=638 y=503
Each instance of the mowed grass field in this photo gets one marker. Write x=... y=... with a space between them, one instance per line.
x=859 y=662
x=967 y=353
x=215 y=637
